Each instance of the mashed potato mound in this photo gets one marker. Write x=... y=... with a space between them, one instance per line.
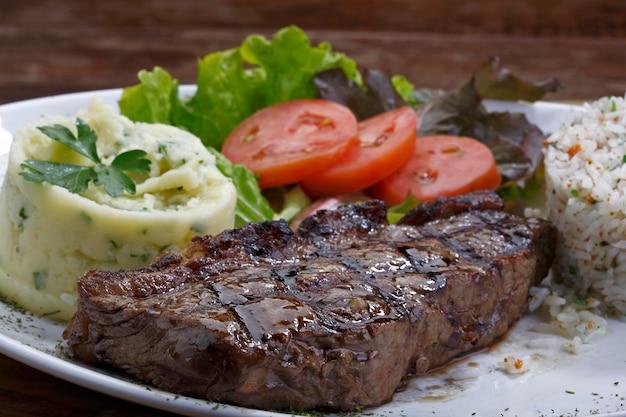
x=50 y=236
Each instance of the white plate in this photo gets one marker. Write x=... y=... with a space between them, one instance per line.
x=556 y=384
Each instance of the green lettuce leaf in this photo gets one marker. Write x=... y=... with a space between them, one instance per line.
x=149 y=101
x=289 y=63
x=251 y=204
x=294 y=200
x=235 y=83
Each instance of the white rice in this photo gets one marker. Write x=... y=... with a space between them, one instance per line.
x=585 y=173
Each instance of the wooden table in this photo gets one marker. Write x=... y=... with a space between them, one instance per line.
x=59 y=46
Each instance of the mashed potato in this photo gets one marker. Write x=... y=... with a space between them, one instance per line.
x=50 y=236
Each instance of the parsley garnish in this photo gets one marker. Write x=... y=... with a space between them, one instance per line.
x=76 y=178
x=581 y=300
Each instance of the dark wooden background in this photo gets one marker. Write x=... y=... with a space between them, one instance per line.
x=59 y=46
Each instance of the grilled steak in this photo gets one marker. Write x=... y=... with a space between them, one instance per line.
x=332 y=316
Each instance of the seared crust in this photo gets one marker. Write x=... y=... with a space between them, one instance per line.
x=332 y=316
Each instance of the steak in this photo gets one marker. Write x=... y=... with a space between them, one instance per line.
x=333 y=316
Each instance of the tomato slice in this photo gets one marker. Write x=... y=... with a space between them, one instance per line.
x=386 y=142
x=293 y=140
x=441 y=165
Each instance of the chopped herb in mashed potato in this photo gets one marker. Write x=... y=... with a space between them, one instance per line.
x=51 y=235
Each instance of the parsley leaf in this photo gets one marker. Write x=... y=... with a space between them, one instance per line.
x=84 y=144
x=76 y=178
x=115 y=181
x=72 y=177
x=132 y=161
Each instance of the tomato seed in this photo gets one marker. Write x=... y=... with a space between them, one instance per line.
x=426 y=177
x=251 y=135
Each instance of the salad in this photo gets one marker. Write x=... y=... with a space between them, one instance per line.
x=268 y=80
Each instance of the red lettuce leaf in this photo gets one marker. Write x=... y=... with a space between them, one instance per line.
x=515 y=142
x=494 y=81
x=377 y=96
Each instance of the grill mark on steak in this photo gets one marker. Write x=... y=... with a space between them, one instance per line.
x=332 y=316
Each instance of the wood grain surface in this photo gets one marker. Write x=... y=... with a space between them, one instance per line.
x=51 y=46
x=58 y=46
